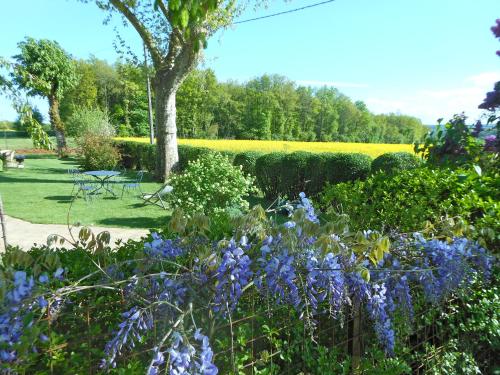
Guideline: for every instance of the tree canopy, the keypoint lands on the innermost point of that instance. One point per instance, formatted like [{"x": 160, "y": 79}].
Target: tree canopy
[{"x": 43, "y": 68}]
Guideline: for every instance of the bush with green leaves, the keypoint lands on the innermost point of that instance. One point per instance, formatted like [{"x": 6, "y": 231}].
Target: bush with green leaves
[
  {"x": 89, "y": 121},
  {"x": 342, "y": 167},
  {"x": 210, "y": 185},
  {"x": 409, "y": 199},
  {"x": 97, "y": 153},
  {"x": 454, "y": 145},
  {"x": 279, "y": 173},
  {"x": 293, "y": 173},
  {"x": 268, "y": 173},
  {"x": 393, "y": 162},
  {"x": 248, "y": 161}
]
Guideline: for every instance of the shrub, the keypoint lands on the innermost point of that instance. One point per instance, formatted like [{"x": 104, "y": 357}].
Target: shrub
[
  {"x": 247, "y": 160},
  {"x": 97, "y": 153},
  {"x": 408, "y": 199},
  {"x": 268, "y": 169},
  {"x": 391, "y": 162},
  {"x": 87, "y": 120},
  {"x": 190, "y": 153},
  {"x": 293, "y": 173},
  {"x": 315, "y": 174},
  {"x": 138, "y": 155},
  {"x": 210, "y": 185},
  {"x": 457, "y": 144},
  {"x": 342, "y": 167}
]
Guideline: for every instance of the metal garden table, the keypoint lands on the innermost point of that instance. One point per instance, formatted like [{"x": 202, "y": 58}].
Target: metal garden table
[{"x": 102, "y": 177}]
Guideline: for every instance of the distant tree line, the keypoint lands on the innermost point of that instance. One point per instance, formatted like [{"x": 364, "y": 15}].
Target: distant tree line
[{"x": 268, "y": 107}]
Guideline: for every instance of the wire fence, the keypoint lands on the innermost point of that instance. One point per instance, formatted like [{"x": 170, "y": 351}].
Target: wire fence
[{"x": 259, "y": 335}]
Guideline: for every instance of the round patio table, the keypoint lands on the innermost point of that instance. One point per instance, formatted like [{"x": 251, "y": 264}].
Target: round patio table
[{"x": 102, "y": 177}]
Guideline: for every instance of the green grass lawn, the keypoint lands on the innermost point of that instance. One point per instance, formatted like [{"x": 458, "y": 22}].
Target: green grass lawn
[
  {"x": 18, "y": 143},
  {"x": 41, "y": 193}
]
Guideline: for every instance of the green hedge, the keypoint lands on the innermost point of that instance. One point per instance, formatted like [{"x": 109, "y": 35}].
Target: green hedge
[
  {"x": 247, "y": 160},
  {"x": 138, "y": 155},
  {"x": 268, "y": 173},
  {"x": 392, "y": 162},
  {"x": 343, "y": 167},
  {"x": 277, "y": 173}
]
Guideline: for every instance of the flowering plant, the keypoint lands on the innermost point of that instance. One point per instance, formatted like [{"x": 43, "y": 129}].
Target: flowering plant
[{"x": 183, "y": 289}]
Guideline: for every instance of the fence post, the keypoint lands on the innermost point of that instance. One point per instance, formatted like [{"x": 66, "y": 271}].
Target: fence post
[
  {"x": 356, "y": 338},
  {"x": 2, "y": 222}
]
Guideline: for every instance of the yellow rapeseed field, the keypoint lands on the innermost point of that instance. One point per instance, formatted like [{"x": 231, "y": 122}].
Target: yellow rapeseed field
[{"x": 372, "y": 149}]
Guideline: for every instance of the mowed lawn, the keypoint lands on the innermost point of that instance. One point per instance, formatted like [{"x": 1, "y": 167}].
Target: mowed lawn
[
  {"x": 372, "y": 149},
  {"x": 23, "y": 143},
  {"x": 41, "y": 193}
]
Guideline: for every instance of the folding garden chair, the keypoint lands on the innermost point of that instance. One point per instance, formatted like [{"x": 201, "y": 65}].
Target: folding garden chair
[{"x": 156, "y": 197}]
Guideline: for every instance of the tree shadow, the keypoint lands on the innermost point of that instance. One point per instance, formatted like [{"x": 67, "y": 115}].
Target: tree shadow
[
  {"x": 5, "y": 178},
  {"x": 143, "y": 222},
  {"x": 60, "y": 198}
]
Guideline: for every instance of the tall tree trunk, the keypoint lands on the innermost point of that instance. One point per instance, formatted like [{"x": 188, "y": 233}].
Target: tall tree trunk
[
  {"x": 166, "y": 136},
  {"x": 57, "y": 125},
  {"x": 180, "y": 61}
]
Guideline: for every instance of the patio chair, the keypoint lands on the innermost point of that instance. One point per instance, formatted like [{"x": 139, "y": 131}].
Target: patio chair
[
  {"x": 156, "y": 197},
  {"x": 135, "y": 184},
  {"x": 73, "y": 173},
  {"x": 84, "y": 186}
]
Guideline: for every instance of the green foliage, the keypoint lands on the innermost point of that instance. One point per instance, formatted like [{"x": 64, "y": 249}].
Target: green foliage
[
  {"x": 137, "y": 155},
  {"x": 289, "y": 174},
  {"x": 97, "y": 152},
  {"x": 268, "y": 171},
  {"x": 29, "y": 120},
  {"x": 392, "y": 162},
  {"x": 293, "y": 173},
  {"x": 453, "y": 145},
  {"x": 315, "y": 173},
  {"x": 411, "y": 198},
  {"x": 449, "y": 360},
  {"x": 248, "y": 161},
  {"x": 43, "y": 68},
  {"x": 89, "y": 121},
  {"x": 342, "y": 167},
  {"x": 273, "y": 107},
  {"x": 210, "y": 185},
  {"x": 117, "y": 90},
  {"x": 188, "y": 154}
]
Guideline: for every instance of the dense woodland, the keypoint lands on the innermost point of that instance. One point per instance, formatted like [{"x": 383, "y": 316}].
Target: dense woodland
[{"x": 268, "y": 107}]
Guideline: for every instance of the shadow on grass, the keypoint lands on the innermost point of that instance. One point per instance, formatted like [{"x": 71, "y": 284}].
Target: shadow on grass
[
  {"x": 6, "y": 178},
  {"x": 60, "y": 198},
  {"x": 136, "y": 222}
]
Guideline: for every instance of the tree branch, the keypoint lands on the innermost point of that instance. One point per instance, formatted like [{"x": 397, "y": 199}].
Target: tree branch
[
  {"x": 141, "y": 29},
  {"x": 163, "y": 8}
]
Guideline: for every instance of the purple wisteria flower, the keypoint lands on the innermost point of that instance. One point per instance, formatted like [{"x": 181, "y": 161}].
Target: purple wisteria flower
[
  {"x": 306, "y": 204},
  {"x": 162, "y": 248},
  {"x": 324, "y": 281},
  {"x": 378, "y": 309},
  {"x": 233, "y": 274}
]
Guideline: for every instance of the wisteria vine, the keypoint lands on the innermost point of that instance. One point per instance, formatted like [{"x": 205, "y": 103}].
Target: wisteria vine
[{"x": 313, "y": 268}]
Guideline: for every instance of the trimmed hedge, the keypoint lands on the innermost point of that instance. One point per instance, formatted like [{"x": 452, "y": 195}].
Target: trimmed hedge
[
  {"x": 277, "y": 173},
  {"x": 392, "y": 162},
  {"x": 293, "y": 173},
  {"x": 247, "y": 160},
  {"x": 268, "y": 173},
  {"x": 139, "y": 155},
  {"x": 343, "y": 167}
]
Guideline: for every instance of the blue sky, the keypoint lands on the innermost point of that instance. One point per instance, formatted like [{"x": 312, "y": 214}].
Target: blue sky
[{"x": 426, "y": 58}]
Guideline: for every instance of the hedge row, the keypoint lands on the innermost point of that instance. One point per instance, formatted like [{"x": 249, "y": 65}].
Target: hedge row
[{"x": 280, "y": 173}]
